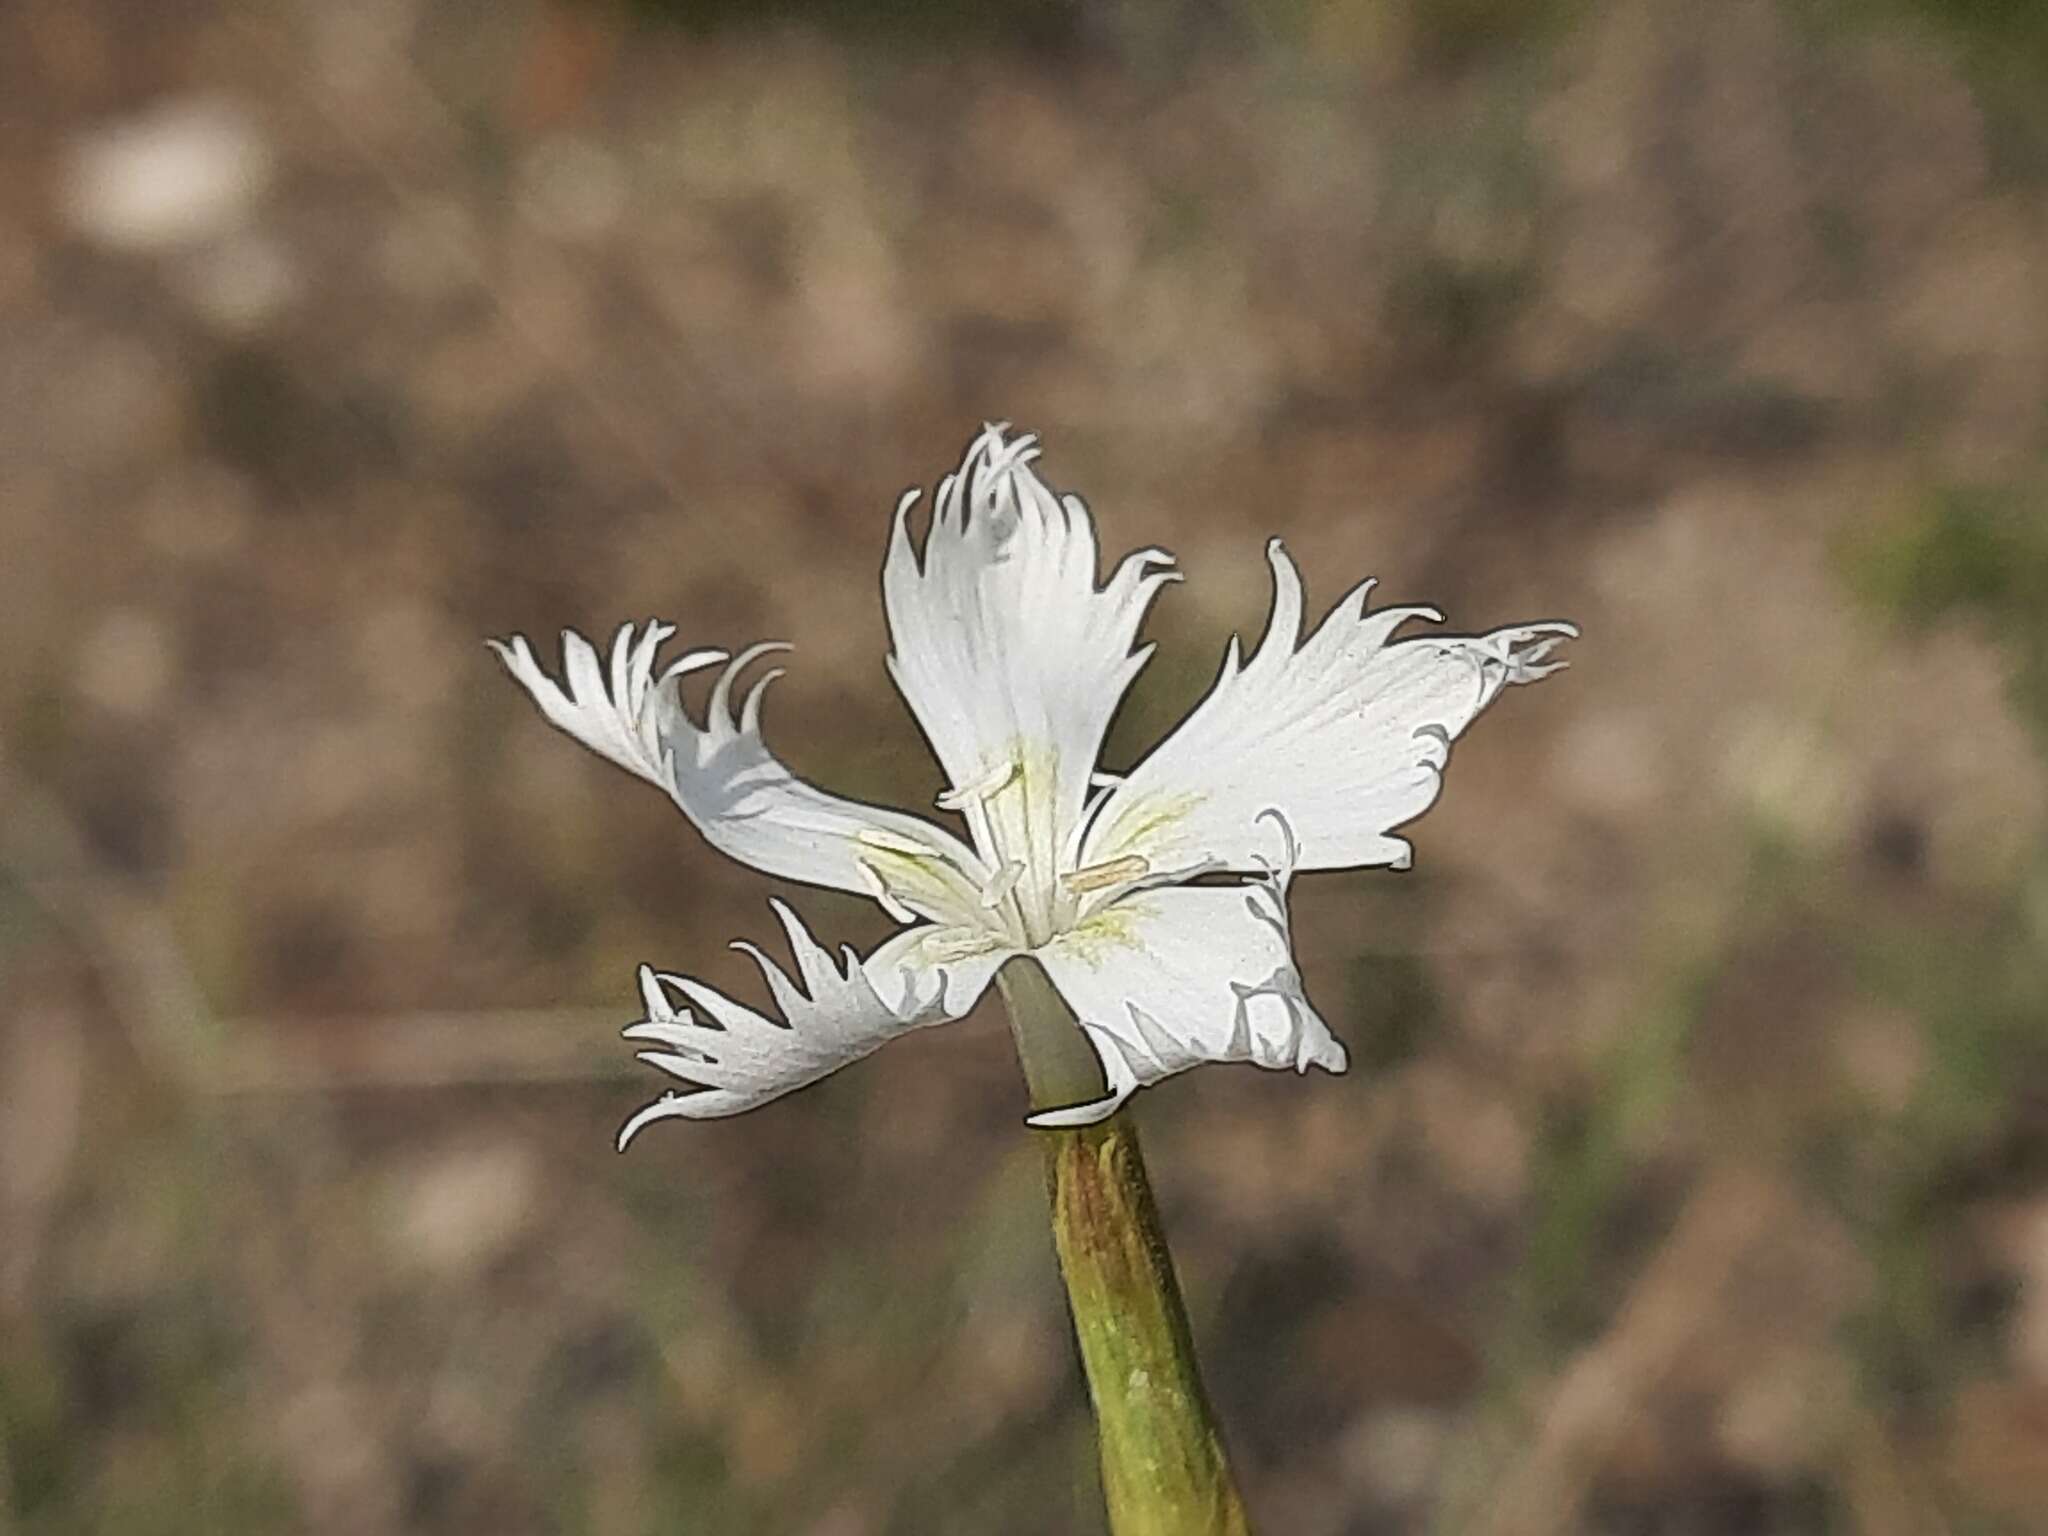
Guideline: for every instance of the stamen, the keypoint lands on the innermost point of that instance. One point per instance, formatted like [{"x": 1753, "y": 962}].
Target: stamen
[
  {"x": 890, "y": 842},
  {"x": 988, "y": 784},
  {"x": 1096, "y": 877},
  {"x": 1001, "y": 883}
]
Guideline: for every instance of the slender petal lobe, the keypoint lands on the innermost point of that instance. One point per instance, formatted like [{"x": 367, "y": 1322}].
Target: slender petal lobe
[
  {"x": 1162, "y": 980},
  {"x": 833, "y": 1012},
  {"x": 1347, "y": 735},
  {"x": 737, "y": 793},
  {"x": 1011, "y": 657}
]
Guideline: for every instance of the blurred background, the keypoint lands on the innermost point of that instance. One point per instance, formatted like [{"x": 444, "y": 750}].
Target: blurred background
[{"x": 1693, "y": 1175}]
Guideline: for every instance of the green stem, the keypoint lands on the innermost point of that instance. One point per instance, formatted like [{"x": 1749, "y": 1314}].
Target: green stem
[
  {"x": 1060, "y": 1066},
  {"x": 1164, "y": 1472}
]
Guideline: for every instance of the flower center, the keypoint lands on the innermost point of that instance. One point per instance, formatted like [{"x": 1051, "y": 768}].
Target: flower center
[
  {"x": 1009, "y": 892},
  {"x": 1013, "y": 822}
]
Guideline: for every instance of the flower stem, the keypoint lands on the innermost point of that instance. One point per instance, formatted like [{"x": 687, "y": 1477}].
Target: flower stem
[
  {"x": 1163, "y": 1468},
  {"x": 1060, "y": 1066},
  {"x": 1164, "y": 1472}
]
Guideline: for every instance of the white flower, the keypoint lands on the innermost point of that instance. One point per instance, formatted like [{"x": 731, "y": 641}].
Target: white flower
[{"x": 1307, "y": 756}]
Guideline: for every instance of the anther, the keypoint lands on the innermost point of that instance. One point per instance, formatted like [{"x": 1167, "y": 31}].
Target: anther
[
  {"x": 1115, "y": 872},
  {"x": 1001, "y": 883},
  {"x": 879, "y": 889},
  {"x": 988, "y": 784},
  {"x": 946, "y": 947}
]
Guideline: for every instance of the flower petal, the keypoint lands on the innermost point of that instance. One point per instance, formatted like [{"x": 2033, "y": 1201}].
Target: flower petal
[
  {"x": 1347, "y": 735},
  {"x": 1164, "y": 979},
  {"x": 1011, "y": 657},
  {"x": 737, "y": 793},
  {"x": 841, "y": 1010},
  {"x": 947, "y": 965}
]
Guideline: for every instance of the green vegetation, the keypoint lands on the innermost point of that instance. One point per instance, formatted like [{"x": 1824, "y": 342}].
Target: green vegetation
[{"x": 1977, "y": 553}]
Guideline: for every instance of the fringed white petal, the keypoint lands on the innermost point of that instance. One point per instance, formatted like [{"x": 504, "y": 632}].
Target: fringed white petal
[
  {"x": 737, "y": 793},
  {"x": 614, "y": 718},
  {"x": 1163, "y": 980},
  {"x": 835, "y": 1011},
  {"x": 1011, "y": 657},
  {"x": 948, "y": 966},
  {"x": 1347, "y": 734}
]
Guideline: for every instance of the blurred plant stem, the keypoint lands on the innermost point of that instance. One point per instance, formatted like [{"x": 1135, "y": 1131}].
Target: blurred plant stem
[{"x": 1164, "y": 1472}]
